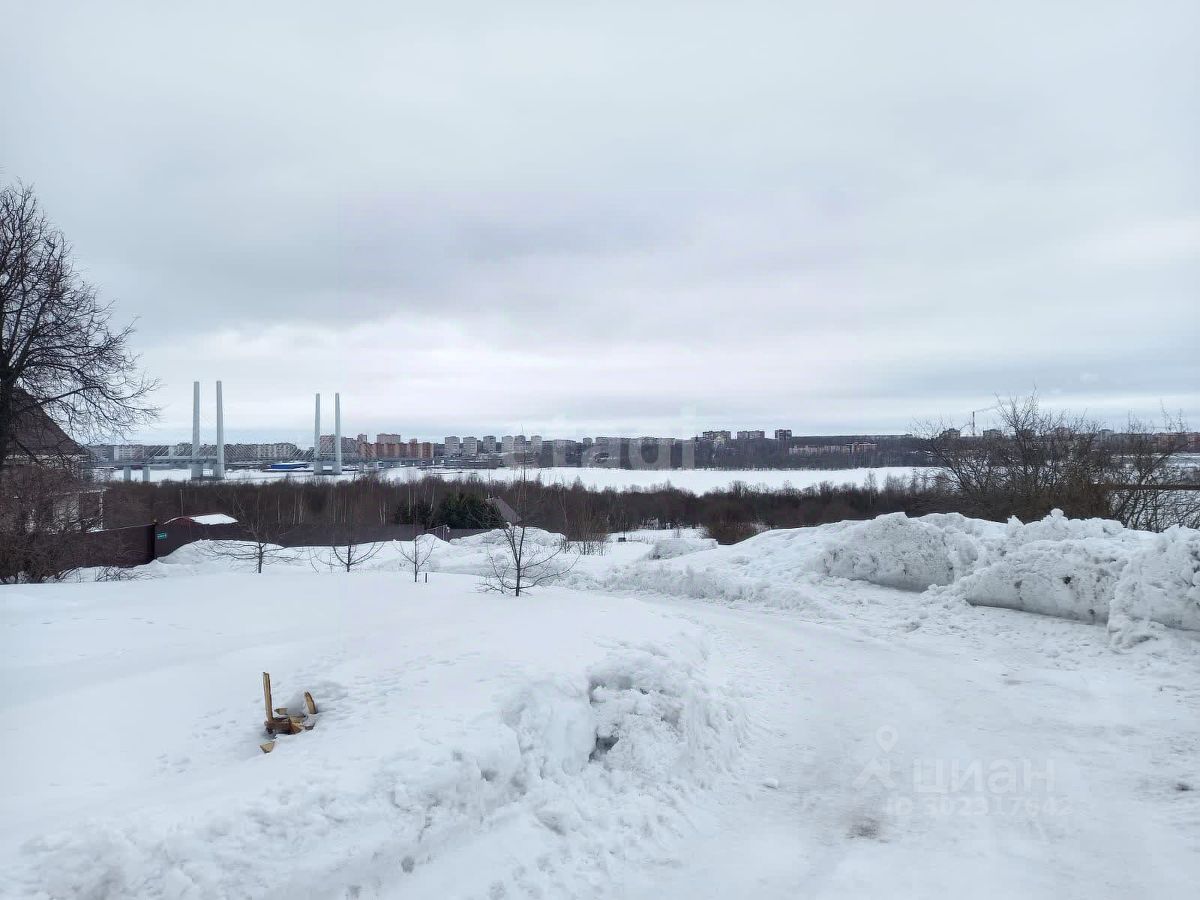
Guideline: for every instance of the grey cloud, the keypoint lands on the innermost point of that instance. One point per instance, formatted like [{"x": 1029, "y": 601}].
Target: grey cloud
[{"x": 868, "y": 212}]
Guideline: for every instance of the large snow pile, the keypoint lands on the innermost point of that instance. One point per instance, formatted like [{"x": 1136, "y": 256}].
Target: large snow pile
[
  {"x": 774, "y": 568},
  {"x": 1161, "y": 585},
  {"x": 1055, "y": 566},
  {"x": 1070, "y": 579},
  {"x": 913, "y": 554},
  {"x": 1091, "y": 570},
  {"x": 1057, "y": 527},
  {"x": 571, "y": 729},
  {"x": 1070, "y": 568}
]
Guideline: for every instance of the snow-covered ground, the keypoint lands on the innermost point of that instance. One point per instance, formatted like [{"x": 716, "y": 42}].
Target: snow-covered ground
[
  {"x": 698, "y": 481},
  {"x": 464, "y": 744},
  {"x": 901, "y": 707}
]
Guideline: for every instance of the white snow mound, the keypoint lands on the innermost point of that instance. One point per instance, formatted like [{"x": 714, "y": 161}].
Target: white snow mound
[
  {"x": 1160, "y": 584},
  {"x": 538, "y": 536},
  {"x": 912, "y": 554},
  {"x": 1070, "y": 579},
  {"x": 670, "y": 548}
]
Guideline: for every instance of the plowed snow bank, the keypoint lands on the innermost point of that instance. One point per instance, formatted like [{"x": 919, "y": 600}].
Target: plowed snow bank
[
  {"x": 1091, "y": 570},
  {"x": 1159, "y": 585},
  {"x": 912, "y": 554}
]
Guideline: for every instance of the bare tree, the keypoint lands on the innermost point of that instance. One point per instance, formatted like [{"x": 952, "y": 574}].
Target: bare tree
[
  {"x": 518, "y": 561},
  {"x": 260, "y": 526},
  {"x": 1153, "y": 490},
  {"x": 416, "y": 555},
  {"x": 585, "y": 526},
  {"x": 349, "y": 553},
  {"x": 1039, "y": 460},
  {"x": 59, "y": 355},
  {"x": 346, "y": 548}
]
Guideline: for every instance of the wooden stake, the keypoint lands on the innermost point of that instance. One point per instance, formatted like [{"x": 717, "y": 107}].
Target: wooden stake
[
  {"x": 267, "y": 694},
  {"x": 279, "y": 721}
]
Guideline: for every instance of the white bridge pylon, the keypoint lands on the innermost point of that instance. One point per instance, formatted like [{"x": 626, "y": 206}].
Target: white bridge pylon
[
  {"x": 197, "y": 461},
  {"x": 202, "y": 458},
  {"x": 332, "y": 466}
]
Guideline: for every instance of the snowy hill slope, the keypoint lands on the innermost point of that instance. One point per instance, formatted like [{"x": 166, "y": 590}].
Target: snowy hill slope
[{"x": 133, "y": 767}]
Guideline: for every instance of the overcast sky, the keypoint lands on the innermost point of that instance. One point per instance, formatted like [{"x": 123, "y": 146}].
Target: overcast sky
[{"x": 649, "y": 218}]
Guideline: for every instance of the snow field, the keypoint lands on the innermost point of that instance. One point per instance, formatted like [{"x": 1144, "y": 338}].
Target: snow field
[
  {"x": 1094, "y": 571},
  {"x": 568, "y": 729},
  {"x": 577, "y": 743},
  {"x": 464, "y": 556},
  {"x": 698, "y": 481}
]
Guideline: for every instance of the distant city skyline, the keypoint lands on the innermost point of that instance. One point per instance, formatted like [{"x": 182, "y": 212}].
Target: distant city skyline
[{"x": 176, "y": 424}]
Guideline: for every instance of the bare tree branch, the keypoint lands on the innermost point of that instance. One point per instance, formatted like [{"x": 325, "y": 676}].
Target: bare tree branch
[
  {"x": 1038, "y": 460},
  {"x": 518, "y": 562},
  {"x": 261, "y": 526},
  {"x": 416, "y": 555},
  {"x": 60, "y": 358}
]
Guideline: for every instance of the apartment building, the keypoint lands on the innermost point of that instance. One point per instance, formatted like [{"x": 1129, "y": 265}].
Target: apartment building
[
  {"x": 419, "y": 449},
  {"x": 349, "y": 445}
]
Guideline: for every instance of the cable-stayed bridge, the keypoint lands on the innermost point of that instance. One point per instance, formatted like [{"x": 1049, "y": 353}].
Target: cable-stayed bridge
[{"x": 213, "y": 460}]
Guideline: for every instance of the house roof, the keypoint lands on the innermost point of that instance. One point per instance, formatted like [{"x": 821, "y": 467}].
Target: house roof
[
  {"x": 36, "y": 435},
  {"x": 509, "y": 514},
  {"x": 206, "y": 519}
]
